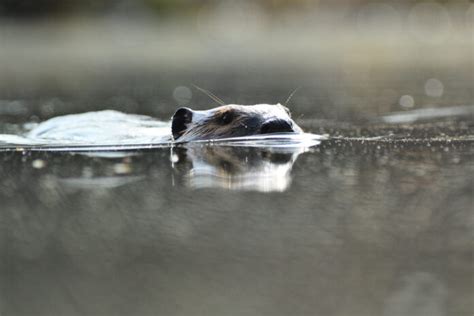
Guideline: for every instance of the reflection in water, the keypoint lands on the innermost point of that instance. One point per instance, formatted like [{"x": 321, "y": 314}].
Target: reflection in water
[
  {"x": 264, "y": 169},
  {"x": 257, "y": 163},
  {"x": 429, "y": 114},
  {"x": 237, "y": 168},
  {"x": 97, "y": 182},
  {"x": 203, "y": 165},
  {"x": 366, "y": 228}
]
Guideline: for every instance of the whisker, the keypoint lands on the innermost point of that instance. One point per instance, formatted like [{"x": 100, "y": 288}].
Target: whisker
[
  {"x": 209, "y": 94},
  {"x": 291, "y": 95}
]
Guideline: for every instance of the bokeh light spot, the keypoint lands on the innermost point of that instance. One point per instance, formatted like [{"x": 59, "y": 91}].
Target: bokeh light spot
[
  {"x": 38, "y": 164},
  {"x": 407, "y": 101},
  {"x": 122, "y": 168},
  {"x": 182, "y": 95},
  {"x": 373, "y": 15},
  {"x": 430, "y": 22},
  {"x": 434, "y": 88}
]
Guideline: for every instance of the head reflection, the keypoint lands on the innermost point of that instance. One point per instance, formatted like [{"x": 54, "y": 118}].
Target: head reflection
[{"x": 235, "y": 168}]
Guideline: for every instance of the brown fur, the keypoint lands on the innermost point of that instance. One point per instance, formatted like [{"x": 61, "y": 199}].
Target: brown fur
[{"x": 233, "y": 121}]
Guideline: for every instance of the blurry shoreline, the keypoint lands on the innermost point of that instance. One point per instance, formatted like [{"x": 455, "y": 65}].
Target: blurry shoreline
[
  {"x": 203, "y": 42},
  {"x": 366, "y": 59}
]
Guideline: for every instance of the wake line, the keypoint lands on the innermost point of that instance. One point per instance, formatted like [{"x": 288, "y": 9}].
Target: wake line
[{"x": 274, "y": 140}]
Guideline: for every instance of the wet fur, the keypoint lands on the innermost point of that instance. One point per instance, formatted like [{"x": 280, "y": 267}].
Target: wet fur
[{"x": 243, "y": 121}]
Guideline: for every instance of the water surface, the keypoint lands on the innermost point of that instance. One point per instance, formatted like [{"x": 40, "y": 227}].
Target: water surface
[{"x": 359, "y": 227}]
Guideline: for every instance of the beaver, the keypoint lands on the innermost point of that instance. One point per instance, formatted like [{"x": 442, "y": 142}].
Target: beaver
[
  {"x": 231, "y": 121},
  {"x": 233, "y": 167},
  {"x": 112, "y": 127}
]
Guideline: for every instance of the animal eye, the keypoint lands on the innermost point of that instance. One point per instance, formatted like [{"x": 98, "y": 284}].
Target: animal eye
[
  {"x": 227, "y": 117},
  {"x": 287, "y": 111}
]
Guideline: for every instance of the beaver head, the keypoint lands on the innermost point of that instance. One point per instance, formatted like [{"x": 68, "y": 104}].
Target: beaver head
[{"x": 232, "y": 121}]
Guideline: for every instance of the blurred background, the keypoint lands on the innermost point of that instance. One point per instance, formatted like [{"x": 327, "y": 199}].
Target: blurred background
[
  {"x": 353, "y": 60},
  {"x": 362, "y": 227}
]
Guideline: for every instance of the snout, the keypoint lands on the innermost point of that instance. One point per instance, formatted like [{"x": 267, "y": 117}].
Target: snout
[
  {"x": 180, "y": 120},
  {"x": 279, "y": 126}
]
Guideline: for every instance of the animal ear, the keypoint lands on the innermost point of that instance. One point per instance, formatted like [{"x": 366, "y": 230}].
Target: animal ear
[{"x": 181, "y": 118}]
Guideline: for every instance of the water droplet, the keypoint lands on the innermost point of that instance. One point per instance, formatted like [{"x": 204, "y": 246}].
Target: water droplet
[{"x": 174, "y": 158}]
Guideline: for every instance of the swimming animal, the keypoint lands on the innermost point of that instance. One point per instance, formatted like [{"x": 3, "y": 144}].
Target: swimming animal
[
  {"x": 105, "y": 127},
  {"x": 232, "y": 121}
]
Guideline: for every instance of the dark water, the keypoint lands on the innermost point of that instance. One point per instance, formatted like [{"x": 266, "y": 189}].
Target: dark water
[
  {"x": 377, "y": 220},
  {"x": 350, "y": 227}
]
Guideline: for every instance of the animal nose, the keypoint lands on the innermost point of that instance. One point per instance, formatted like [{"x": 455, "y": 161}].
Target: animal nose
[
  {"x": 181, "y": 118},
  {"x": 277, "y": 126}
]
